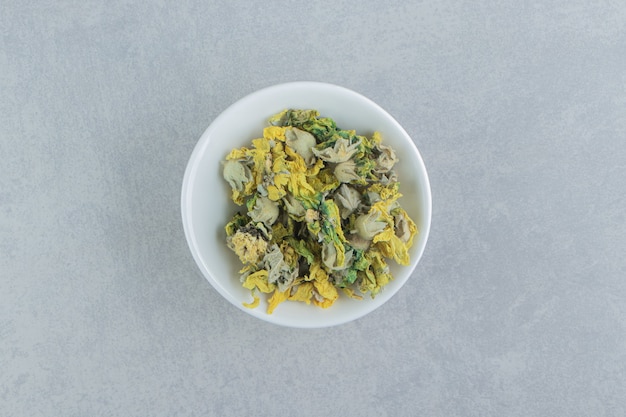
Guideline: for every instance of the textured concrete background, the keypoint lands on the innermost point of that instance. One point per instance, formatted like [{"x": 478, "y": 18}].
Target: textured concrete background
[{"x": 517, "y": 309}]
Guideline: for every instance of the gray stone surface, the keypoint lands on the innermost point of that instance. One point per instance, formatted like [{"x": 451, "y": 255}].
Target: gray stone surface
[{"x": 517, "y": 309}]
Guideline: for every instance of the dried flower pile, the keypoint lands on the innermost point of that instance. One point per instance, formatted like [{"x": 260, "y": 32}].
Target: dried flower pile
[{"x": 321, "y": 211}]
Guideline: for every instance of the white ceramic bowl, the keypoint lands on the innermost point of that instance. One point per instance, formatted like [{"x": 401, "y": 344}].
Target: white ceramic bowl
[{"x": 206, "y": 205}]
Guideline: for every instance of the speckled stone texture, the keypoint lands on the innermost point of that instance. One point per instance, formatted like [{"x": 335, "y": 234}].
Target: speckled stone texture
[{"x": 518, "y": 307}]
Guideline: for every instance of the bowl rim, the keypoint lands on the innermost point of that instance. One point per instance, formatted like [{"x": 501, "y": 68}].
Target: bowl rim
[{"x": 192, "y": 166}]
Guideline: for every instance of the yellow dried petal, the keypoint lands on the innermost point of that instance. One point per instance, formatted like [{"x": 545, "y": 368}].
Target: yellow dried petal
[
  {"x": 314, "y": 170},
  {"x": 326, "y": 289},
  {"x": 386, "y": 192},
  {"x": 238, "y": 154},
  {"x": 280, "y": 180},
  {"x": 395, "y": 248},
  {"x": 295, "y": 157},
  {"x": 261, "y": 144},
  {"x": 406, "y": 229},
  {"x": 289, "y": 254},
  {"x": 274, "y": 132},
  {"x": 258, "y": 280},
  {"x": 333, "y": 215},
  {"x": 325, "y": 181},
  {"x": 376, "y": 138},
  {"x": 316, "y": 273},
  {"x": 278, "y": 149},
  {"x": 297, "y": 164},
  {"x": 384, "y": 236},
  {"x": 381, "y": 281},
  {"x": 247, "y": 268},
  {"x": 299, "y": 187},
  {"x": 276, "y": 298},
  {"x": 377, "y": 275},
  {"x": 304, "y": 293},
  {"x": 280, "y": 164},
  {"x": 383, "y": 206},
  {"x": 254, "y": 303},
  {"x": 274, "y": 193},
  {"x": 238, "y": 197}
]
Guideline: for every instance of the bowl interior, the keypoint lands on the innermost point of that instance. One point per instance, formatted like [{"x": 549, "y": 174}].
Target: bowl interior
[{"x": 206, "y": 204}]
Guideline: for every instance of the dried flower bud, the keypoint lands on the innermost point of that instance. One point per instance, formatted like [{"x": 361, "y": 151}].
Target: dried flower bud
[
  {"x": 386, "y": 160},
  {"x": 302, "y": 142},
  {"x": 265, "y": 211},
  {"x": 293, "y": 206},
  {"x": 367, "y": 225},
  {"x": 330, "y": 258},
  {"x": 237, "y": 174},
  {"x": 346, "y": 172},
  {"x": 341, "y": 152},
  {"x": 347, "y": 199},
  {"x": 279, "y": 272}
]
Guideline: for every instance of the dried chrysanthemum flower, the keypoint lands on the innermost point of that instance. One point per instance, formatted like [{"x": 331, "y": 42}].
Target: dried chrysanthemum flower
[
  {"x": 294, "y": 207},
  {"x": 248, "y": 247},
  {"x": 279, "y": 272},
  {"x": 369, "y": 225},
  {"x": 340, "y": 152},
  {"x": 265, "y": 211},
  {"x": 237, "y": 174},
  {"x": 389, "y": 177},
  {"x": 405, "y": 228},
  {"x": 357, "y": 242},
  {"x": 302, "y": 142},
  {"x": 386, "y": 160},
  {"x": 347, "y": 199},
  {"x": 332, "y": 260},
  {"x": 345, "y": 172}
]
